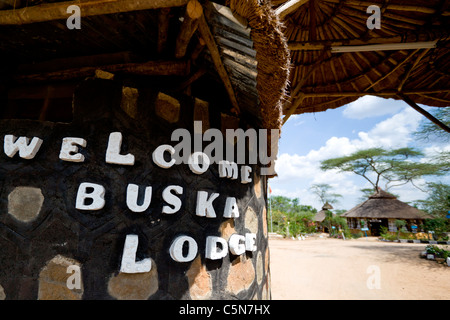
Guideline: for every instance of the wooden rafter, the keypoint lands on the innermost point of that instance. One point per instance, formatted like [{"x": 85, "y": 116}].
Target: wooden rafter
[
  {"x": 207, "y": 36},
  {"x": 158, "y": 68},
  {"x": 379, "y": 93},
  {"x": 416, "y": 37},
  {"x": 58, "y": 10},
  {"x": 193, "y": 12},
  {"x": 289, "y": 7},
  {"x": 393, "y": 70},
  {"x": 407, "y": 73},
  {"x": 429, "y": 116}
]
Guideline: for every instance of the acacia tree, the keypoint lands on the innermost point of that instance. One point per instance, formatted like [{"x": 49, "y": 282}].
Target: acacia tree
[
  {"x": 428, "y": 130},
  {"x": 322, "y": 191},
  {"x": 392, "y": 167}
]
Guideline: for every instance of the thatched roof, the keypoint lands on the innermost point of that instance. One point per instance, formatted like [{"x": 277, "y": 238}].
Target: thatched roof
[
  {"x": 384, "y": 205},
  {"x": 321, "y": 215},
  {"x": 322, "y": 77}
]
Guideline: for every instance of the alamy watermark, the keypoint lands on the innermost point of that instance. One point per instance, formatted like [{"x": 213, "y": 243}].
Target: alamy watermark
[
  {"x": 74, "y": 280},
  {"x": 374, "y": 279},
  {"x": 74, "y": 21},
  {"x": 213, "y": 147}
]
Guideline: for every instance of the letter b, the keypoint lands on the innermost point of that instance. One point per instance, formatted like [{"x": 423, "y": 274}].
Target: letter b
[{"x": 97, "y": 195}]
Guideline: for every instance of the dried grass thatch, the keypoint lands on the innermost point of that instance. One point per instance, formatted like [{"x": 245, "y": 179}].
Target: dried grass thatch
[
  {"x": 273, "y": 57},
  {"x": 321, "y": 79},
  {"x": 383, "y": 205}
]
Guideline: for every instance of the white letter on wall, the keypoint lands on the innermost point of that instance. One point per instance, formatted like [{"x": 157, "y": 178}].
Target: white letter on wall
[
  {"x": 26, "y": 149},
  {"x": 245, "y": 174},
  {"x": 228, "y": 169},
  {"x": 69, "y": 149},
  {"x": 113, "y": 151},
  {"x": 237, "y": 244},
  {"x": 176, "y": 249},
  {"x": 231, "y": 209},
  {"x": 97, "y": 196},
  {"x": 198, "y": 162},
  {"x": 132, "y": 198},
  {"x": 129, "y": 264},
  {"x": 213, "y": 251},
  {"x": 204, "y": 204},
  {"x": 158, "y": 156},
  {"x": 250, "y": 241},
  {"x": 171, "y": 199}
]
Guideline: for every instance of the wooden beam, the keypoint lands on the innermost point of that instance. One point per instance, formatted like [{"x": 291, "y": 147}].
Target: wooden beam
[
  {"x": 385, "y": 47},
  {"x": 54, "y": 91},
  {"x": 153, "y": 68},
  {"x": 206, "y": 34},
  {"x": 386, "y": 93},
  {"x": 289, "y": 7},
  {"x": 193, "y": 12},
  {"x": 392, "y": 71},
  {"x": 407, "y": 73},
  {"x": 405, "y": 38},
  {"x": 429, "y": 116},
  {"x": 58, "y": 10},
  {"x": 294, "y": 107},
  {"x": 163, "y": 29}
]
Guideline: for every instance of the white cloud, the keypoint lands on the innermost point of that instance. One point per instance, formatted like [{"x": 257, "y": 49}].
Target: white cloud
[{"x": 371, "y": 106}]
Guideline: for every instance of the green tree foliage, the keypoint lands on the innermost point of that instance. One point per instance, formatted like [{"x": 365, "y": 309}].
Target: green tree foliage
[
  {"x": 290, "y": 214},
  {"x": 392, "y": 167},
  {"x": 428, "y": 130},
  {"x": 437, "y": 203},
  {"x": 322, "y": 192}
]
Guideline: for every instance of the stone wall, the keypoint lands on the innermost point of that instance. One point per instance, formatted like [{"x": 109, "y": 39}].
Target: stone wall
[{"x": 52, "y": 250}]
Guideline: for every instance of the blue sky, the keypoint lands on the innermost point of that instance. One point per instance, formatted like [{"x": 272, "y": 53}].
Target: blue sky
[{"x": 368, "y": 122}]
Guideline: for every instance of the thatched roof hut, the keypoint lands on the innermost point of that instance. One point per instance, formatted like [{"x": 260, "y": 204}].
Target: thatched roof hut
[
  {"x": 321, "y": 215},
  {"x": 383, "y": 205},
  {"x": 381, "y": 210}
]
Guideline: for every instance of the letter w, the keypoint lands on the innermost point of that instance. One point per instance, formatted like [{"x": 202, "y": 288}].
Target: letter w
[{"x": 26, "y": 149}]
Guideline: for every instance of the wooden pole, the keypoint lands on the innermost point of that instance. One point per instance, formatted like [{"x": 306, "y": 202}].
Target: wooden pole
[
  {"x": 429, "y": 116},
  {"x": 404, "y": 38},
  {"x": 194, "y": 11},
  {"x": 58, "y": 10},
  {"x": 289, "y": 7}
]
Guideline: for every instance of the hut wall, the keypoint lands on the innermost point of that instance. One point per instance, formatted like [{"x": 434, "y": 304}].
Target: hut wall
[{"x": 47, "y": 240}]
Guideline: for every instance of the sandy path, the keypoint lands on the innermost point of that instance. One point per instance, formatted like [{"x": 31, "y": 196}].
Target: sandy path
[{"x": 322, "y": 268}]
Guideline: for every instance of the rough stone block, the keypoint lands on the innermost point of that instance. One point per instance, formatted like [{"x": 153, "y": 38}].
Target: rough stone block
[
  {"x": 129, "y": 101},
  {"x": 53, "y": 280},
  {"x": 167, "y": 108},
  {"x": 25, "y": 203},
  {"x": 240, "y": 275},
  {"x": 200, "y": 284},
  {"x": 134, "y": 286}
]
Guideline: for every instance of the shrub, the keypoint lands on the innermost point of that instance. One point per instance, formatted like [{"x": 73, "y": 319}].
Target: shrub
[{"x": 437, "y": 251}]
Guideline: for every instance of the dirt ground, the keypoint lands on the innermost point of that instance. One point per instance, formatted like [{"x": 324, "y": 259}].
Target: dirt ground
[{"x": 364, "y": 269}]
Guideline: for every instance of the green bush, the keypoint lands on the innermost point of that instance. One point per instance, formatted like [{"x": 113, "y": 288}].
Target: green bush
[{"x": 437, "y": 251}]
